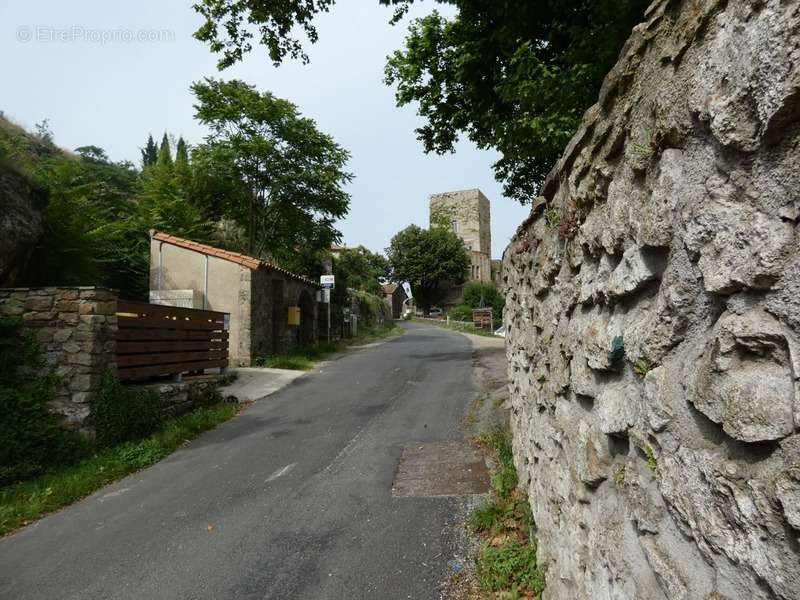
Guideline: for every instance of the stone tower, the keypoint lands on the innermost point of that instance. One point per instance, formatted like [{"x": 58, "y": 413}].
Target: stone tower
[{"x": 468, "y": 213}]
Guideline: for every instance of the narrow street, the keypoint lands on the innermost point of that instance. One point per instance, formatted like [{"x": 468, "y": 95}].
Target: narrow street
[{"x": 293, "y": 498}]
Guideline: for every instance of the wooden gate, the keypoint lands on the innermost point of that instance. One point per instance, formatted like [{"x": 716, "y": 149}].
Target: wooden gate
[{"x": 155, "y": 340}]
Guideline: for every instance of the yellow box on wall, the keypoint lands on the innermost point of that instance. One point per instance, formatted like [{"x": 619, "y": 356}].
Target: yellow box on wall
[{"x": 293, "y": 318}]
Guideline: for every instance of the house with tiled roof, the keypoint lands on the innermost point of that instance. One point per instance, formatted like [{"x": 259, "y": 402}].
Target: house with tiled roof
[{"x": 264, "y": 300}]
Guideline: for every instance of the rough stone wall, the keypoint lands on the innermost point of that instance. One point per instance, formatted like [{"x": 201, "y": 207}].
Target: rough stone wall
[
  {"x": 76, "y": 331},
  {"x": 181, "y": 397},
  {"x": 653, "y": 315},
  {"x": 261, "y": 315}
]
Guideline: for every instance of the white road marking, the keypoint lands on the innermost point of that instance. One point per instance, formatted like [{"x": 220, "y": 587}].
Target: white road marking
[{"x": 280, "y": 472}]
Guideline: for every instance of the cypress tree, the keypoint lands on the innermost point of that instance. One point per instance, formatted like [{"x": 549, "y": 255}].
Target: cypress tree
[
  {"x": 164, "y": 154},
  {"x": 149, "y": 152},
  {"x": 181, "y": 155}
]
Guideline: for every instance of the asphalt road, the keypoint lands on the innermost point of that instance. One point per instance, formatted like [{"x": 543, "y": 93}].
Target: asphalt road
[{"x": 291, "y": 499}]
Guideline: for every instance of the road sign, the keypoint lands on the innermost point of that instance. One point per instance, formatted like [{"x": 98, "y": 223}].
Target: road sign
[{"x": 327, "y": 281}]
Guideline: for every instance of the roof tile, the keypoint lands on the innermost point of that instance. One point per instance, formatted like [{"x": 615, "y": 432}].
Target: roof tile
[{"x": 246, "y": 261}]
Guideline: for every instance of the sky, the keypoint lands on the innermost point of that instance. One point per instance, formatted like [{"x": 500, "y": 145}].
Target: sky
[{"x": 109, "y": 73}]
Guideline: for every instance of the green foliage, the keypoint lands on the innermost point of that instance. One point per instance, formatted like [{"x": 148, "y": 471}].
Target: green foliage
[
  {"x": 24, "y": 502},
  {"x": 149, "y": 152},
  {"x": 284, "y": 177},
  {"x": 507, "y": 559},
  {"x": 642, "y": 367},
  {"x": 462, "y": 312},
  {"x": 652, "y": 463},
  {"x": 31, "y": 440},
  {"x": 164, "y": 153},
  {"x": 124, "y": 413},
  {"x": 427, "y": 259},
  {"x": 359, "y": 269},
  {"x": 619, "y": 475},
  {"x": 478, "y": 294},
  {"x": 510, "y": 566},
  {"x": 513, "y": 76}
]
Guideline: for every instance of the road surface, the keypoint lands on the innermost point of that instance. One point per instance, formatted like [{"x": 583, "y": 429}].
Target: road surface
[{"x": 291, "y": 499}]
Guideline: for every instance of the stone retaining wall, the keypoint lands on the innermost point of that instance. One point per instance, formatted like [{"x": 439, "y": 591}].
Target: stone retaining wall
[
  {"x": 76, "y": 331},
  {"x": 653, "y": 319}
]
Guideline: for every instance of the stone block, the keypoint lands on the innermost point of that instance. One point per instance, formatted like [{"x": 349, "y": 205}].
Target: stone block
[
  {"x": 69, "y": 318},
  {"x": 62, "y": 335},
  {"x": 39, "y": 303},
  {"x": 66, "y": 306}
]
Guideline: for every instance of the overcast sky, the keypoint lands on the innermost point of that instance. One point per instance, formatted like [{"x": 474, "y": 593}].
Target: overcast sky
[{"x": 65, "y": 61}]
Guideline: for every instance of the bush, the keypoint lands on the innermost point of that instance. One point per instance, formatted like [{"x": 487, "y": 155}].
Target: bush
[
  {"x": 462, "y": 312},
  {"x": 31, "y": 440},
  {"x": 122, "y": 414}
]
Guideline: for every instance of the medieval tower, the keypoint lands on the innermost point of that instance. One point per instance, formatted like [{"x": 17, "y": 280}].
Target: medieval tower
[{"x": 468, "y": 213}]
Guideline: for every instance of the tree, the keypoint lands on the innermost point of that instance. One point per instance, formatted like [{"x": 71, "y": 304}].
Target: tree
[
  {"x": 284, "y": 176},
  {"x": 149, "y": 152},
  {"x": 480, "y": 294},
  {"x": 164, "y": 153},
  {"x": 359, "y": 269},
  {"x": 513, "y": 76},
  {"x": 428, "y": 259}
]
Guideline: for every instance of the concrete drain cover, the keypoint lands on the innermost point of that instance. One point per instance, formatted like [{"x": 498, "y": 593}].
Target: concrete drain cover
[{"x": 451, "y": 468}]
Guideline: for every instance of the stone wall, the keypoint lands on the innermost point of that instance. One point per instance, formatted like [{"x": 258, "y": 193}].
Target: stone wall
[
  {"x": 653, "y": 316},
  {"x": 76, "y": 330}
]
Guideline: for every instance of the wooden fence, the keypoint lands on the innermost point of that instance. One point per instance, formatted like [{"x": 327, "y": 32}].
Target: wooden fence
[{"x": 155, "y": 340}]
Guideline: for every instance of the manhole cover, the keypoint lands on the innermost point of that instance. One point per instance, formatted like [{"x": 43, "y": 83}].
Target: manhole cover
[{"x": 452, "y": 468}]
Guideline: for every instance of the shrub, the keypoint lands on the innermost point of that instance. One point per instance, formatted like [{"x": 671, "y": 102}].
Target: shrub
[
  {"x": 31, "y": 440},
  {"x": 462, "y": 312},
  {"x": 122, "y": 414}
]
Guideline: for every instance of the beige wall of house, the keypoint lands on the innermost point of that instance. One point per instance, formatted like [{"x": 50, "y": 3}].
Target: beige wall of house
[{"x": 175, "y": 268}]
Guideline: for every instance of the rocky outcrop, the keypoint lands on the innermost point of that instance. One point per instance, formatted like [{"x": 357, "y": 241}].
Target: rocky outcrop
[
  {"x": 21, "y": 203},
  {"x": 653, "y": 318}
]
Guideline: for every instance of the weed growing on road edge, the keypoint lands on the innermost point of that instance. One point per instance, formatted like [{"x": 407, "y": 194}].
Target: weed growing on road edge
[
  {"x": 304, "y": 359},
  {"x": 506, "y": 563},
  {"x": 24, "y": 502}
]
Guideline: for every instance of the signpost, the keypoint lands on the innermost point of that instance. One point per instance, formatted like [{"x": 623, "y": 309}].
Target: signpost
[
  {"x": 482, "y": 317},
  {"x": 328, "y": 282}
]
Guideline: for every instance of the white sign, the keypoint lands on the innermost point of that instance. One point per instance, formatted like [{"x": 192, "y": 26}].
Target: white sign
[
  {"x": 327, "y": 281},
  {"x": 407, "y": 289}
]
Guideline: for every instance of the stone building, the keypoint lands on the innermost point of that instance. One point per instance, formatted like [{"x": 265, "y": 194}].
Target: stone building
[
  {"x": 257, "y": 294},
  {"x": 468, "y": 213}
]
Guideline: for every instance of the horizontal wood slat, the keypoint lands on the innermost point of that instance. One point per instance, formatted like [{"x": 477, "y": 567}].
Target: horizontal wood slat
[
  {"x": 169, "y": 334},
  {"x": 159, "y": 310},
  {"x": 170, "y": 346},
  {"x": 153, "y": 370},
  {"x": 167, "y": 358},
  {"x": 160, "y": 322},
  {"x": 155, "y": 340}
]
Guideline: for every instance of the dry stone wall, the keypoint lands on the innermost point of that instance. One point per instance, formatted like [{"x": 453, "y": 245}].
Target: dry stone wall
[
  {"x": 653, "y": 315},
  {"x": 75, "y": 328}
]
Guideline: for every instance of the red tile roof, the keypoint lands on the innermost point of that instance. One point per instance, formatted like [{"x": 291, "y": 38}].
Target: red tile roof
[{"x": 241, "y": 259}]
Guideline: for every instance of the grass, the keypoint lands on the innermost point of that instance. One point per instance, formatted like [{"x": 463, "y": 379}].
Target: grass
[
  {"x": 304, "y": 359},
  {"x": 471, "y": 329},
  {"x": 506, "y": 564},
  {"x": 24, "y": 502}
]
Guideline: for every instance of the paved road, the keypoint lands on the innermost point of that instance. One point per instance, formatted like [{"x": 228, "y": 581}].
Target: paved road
[{"x": 291, "y": 499}]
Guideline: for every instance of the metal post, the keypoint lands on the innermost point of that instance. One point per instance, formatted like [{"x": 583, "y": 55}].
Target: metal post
[{"x": 329, "y": 318}]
